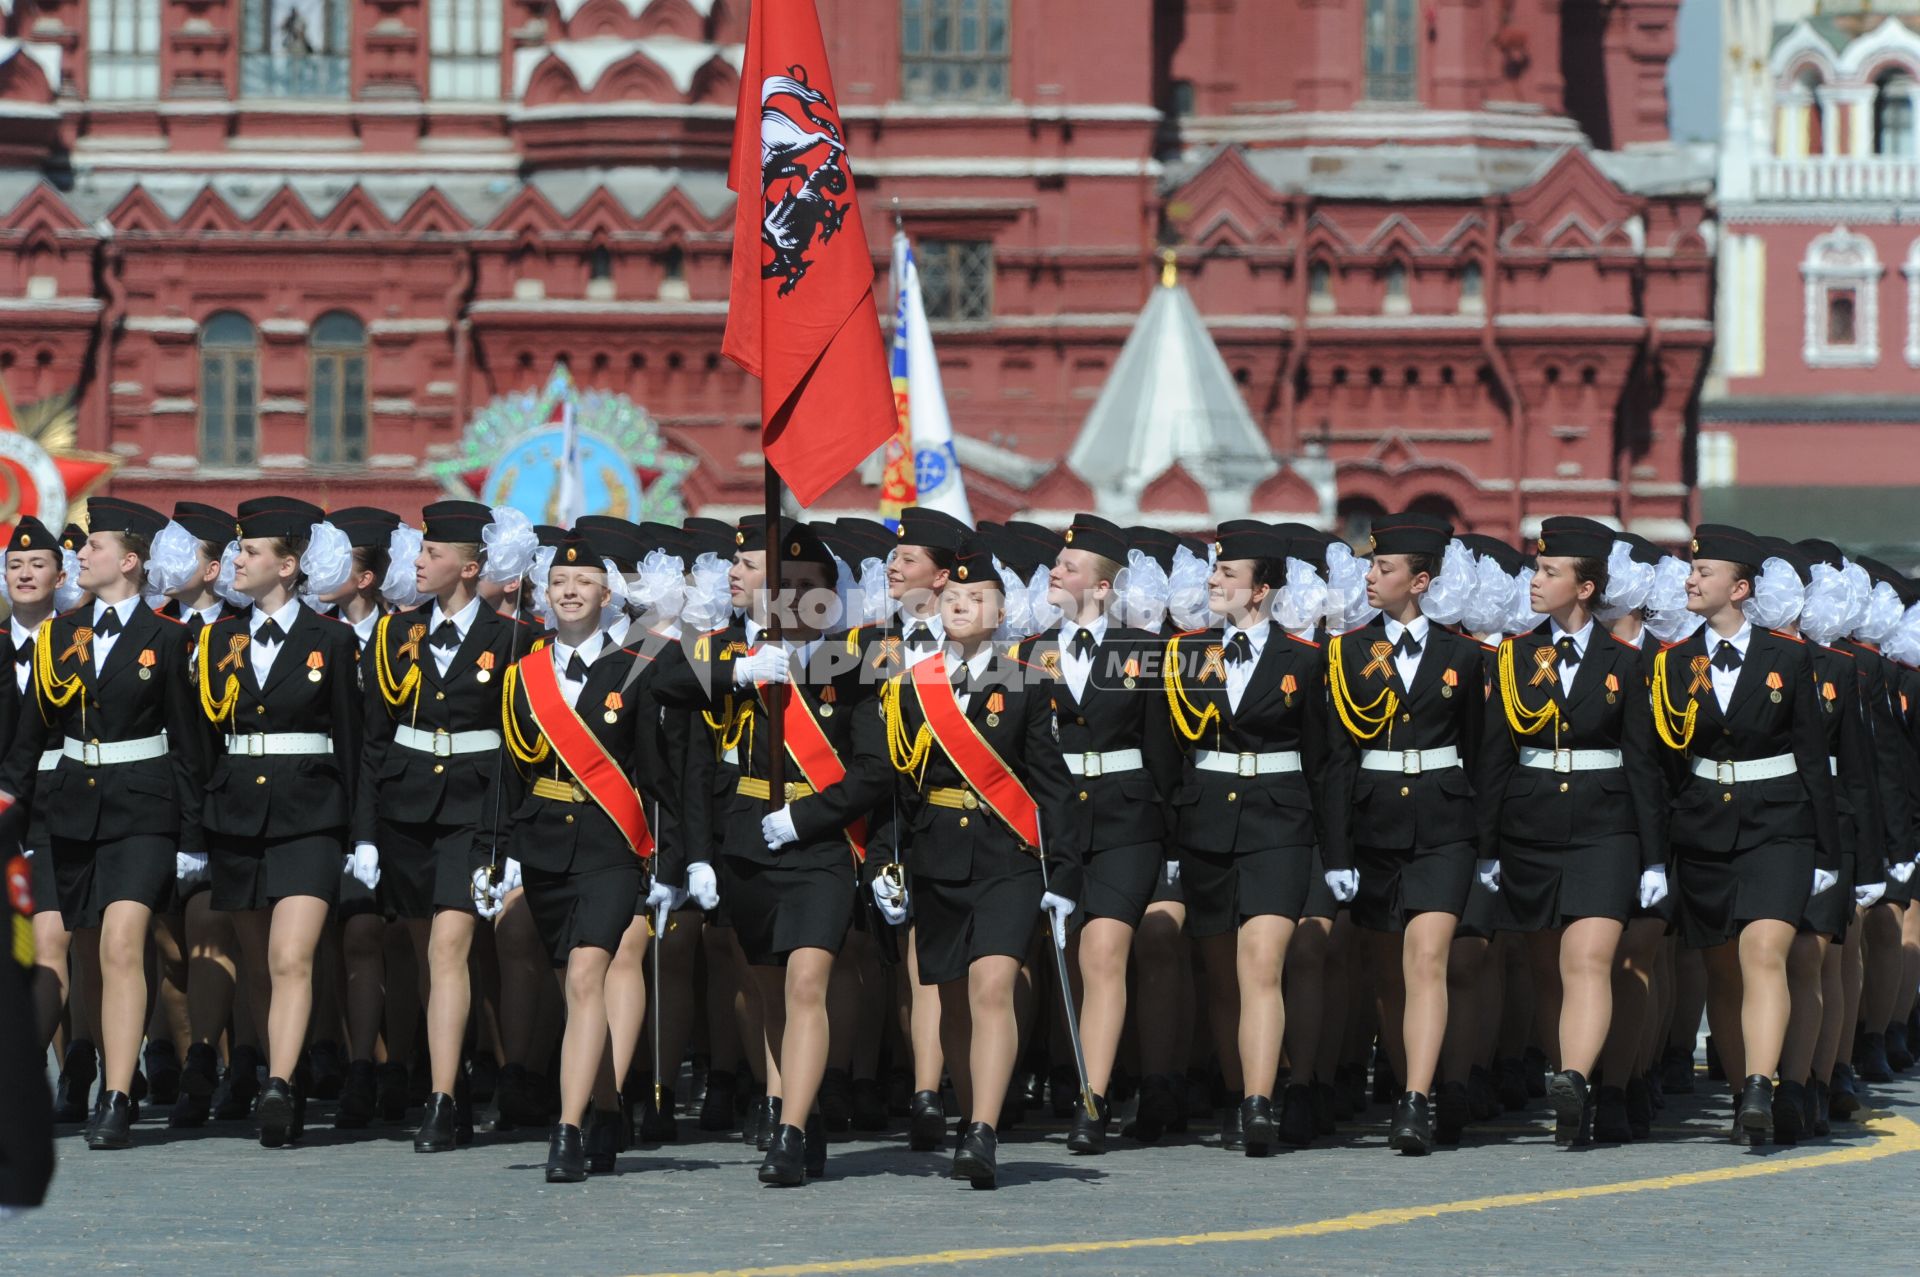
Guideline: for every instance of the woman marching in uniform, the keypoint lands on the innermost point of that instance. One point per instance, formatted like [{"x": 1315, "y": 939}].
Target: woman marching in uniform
[
  {"x": 111, "y": 691},
  {"x": 1570, "y": 802},
  {"x": 1753, "y": 827},
  {"x": 432, "y": 770},
  {"x": 279, "y": 683},
  {"x": 984, "y": 796},
  {"x": 1247, "y": 698}
]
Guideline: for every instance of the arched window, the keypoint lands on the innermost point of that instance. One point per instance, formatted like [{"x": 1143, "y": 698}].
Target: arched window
[
  {"x": 337, "y": 411},
  {"x": 1816, "y": 99},
  {"x": 1893, "y": 115},
  {"x": 1320, "y": 288},
  {"x": 1392, "y": 35},
  {"x": 1473, "y": 286},
  {"x": 1842, "y": 321},
  {"x": 1394, "y": 299},
  {"x": 294, "y": 48},
  {"x": 229, "y": 390}
]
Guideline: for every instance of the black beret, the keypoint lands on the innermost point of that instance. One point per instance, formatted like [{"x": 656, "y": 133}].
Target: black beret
[
  {"x": 1798, "y": 559},
  {"x": 111, "y": 514},
  {"x": 31, "y": 534},
  {"x": 72, "y": 537},
  {"x": 1411, "y": 533},
  {"x": 930, "y": 528},
  {"x": 577, "y": 549},
  {"x": 709, "y": 536},
  {"x": 1508, "y": 557},
  {"x": 1249, "y": 539},
  {"x": 206, "y": 522},
  {"x": 367, "y": 527},
  {"x": 1823, "y": 552},
  {"x": 1733, "y": 545},
  {"x": 1099, "y": 536},
  {"x": 973, "y": 563},
  {"x": 1570, "y": 536},
  {"x": 798, "y": 542},
  {"x": 622, "y": 540},
  {"x": 457, "y": 522},
  {"x": 278, "y": 517},
  {"x": 1155, "y": 543},
  {"x": 1644, "y": 551},
  {"x": 549, "y": 534}
]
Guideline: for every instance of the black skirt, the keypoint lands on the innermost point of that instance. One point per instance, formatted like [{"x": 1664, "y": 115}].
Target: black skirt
[
  {"x": 253, "y": 873},
  {"x": 89, "y": 876},
  {"x": 1225, "y": 891},
  {"x": 576, "y": 910},
  {"x": 1715, "y": 896},
  {"x": 1830, "y": 913},
  {"x": 1118, "y": 883},
  {"x": 355, "y": 898},
  {"x": 46, "y": 888},
  {"x": 1320, "y": 902},
  {"x": 1397, "y": 883},
  {"x": 1483, "y": 915},
  {"x": 957, "y": 923},
  {"x": 427, "y": 867},
  {"x": 1166, "y": 886},
  {"x": 1544, "y": 886},
  {"x": 776, "y": 909}
]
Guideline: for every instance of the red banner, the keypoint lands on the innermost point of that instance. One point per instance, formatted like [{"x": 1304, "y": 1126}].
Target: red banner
[
  {"x": 800, "y": 314},
  {"x": 819, "y": 762},
  {"x": 583, "y": 753},
  {"x": 986, "y": 772}
]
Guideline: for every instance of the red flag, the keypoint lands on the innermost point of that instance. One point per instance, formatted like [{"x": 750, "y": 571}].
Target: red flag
[{"x": 801, "y": 314}]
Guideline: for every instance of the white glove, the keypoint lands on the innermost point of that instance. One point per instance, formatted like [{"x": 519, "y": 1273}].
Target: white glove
[
  {"x": 509, "y": 879},
  {"x": 1900, "y": 872},
  {"x": 189, "y": 865},
  {"x": 777, "y": 828},
  {"x": 892, "y": 899},
  {"x": 1058, "y": 909},
  {"x": 363, "y": 862},
  {"x": 702, "y": 885},
  {"x": 1488, "y": 872},
  {"x": 1823, "y": 880},
  {"x": 1343, "y": 883},
  {"x": 661, "y": 901},
  {"x": 1653, "y": 886},
  {"x": 768, "y": 663},
  {"x": 1867, "y": 894},
  {"x": 486, "y": 896}
]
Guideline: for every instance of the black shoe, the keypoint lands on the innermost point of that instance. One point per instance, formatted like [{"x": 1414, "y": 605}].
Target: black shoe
[
  {"x": 357, "y": 1097},
  {"x": 1870, "y": 1058},
  {"x": 1822, "y": 1122},
  {"x": 566, "y": 1155},
  {"x": 816, "y": 1147},
  {"x": 869, "y": 1112},
  {"x": 198, "y": 1081},
  {"x": 836, "y": 1099},
  {"x": 1640, "y": 1108},
  {"x": 1452, "y": 1110},
  {"x": 1159, "y": 1104},
  {"x": 786, "y": 1163},
  {"x": 78, "y": 1071},
  {"x": 1676, "y": 1071},
  {"x": 329, "y": 1071},
  {"x": 1611, "y": 1121},
  {"x": 1482, "y": 1099},
  {"x": 1510, "y": 1083},
  {"x": 1258, "y": 1130},
  {"x": 974, "y": 1161},
  {"x": 1755, "y": 1110},
  {"x": 1789, "y": 1112},
  {"x": 1032, "y": 1087},
  {"x": 1843, "y": 1094},
  {"x": 1232, "y": 1128},
  {"x": 716, "y": 1109},
  {"x": 1296, "y": 1125},
  {"x": 1412, "y": 1129},
  {"x": 1063, "y": 1090},
  {"x": 163, "y": 1071},
  {"x": 1898, "y": 1054},
  {"x": 658, "y": 1124},
  {"x": 769, "y": 1122},
  {"x": 1089, "y": 1133},
  {"x": 926, "y": 1122},
  {"x": 1567, "y": 1093},
  {"x": 1320, "y": 1103},
  {"x": 275, "y": 1113},
  {"x": 113, "y": 1124},
  {"x": 436, "y": 1133},
  {"x": 603, "y": 1141},
  {"x": 483, "y": 1076}
]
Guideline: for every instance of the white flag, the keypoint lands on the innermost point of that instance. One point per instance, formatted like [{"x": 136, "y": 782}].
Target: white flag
[
  {"x": 936, "y": 468},
  {"x": 567, "y": 494}
]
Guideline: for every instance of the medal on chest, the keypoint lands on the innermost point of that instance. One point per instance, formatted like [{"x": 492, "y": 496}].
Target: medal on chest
[
  {"x": 316, "y": 666},
  {"x": 148, "y": 659},
  {"x": 484, "y": 674},
  {"x": 614, "y": 703},
  {"x": 995, "y": 703},
  {"x": 1613, "y": 688},
  {"x": 1775, "y": 682},
  {"x": 1449, "y": 679}
]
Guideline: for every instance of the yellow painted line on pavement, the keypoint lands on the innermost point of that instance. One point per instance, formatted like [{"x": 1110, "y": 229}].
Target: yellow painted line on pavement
[{"x": 1892, "y": 1136}]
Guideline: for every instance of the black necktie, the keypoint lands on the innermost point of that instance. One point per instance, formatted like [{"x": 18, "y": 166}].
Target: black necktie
[
  {"x": 576, "y": 669},
  {"x": 108, "y": 624},
  {"x": 1239, "y": 649},
  {"x": 1083, "y": 644},
  {"x": 1408, "y": 645},
  {"x": 962, "y": 681},
  {"x": 920, "y": 636},
  {"x": 1569, "y": 650},
  {"x": 270, "y": 632},
  {"x": 446, "y": 638},
  {"x": 23, "y": 653},
  {"x": 1726, "y": 656}
]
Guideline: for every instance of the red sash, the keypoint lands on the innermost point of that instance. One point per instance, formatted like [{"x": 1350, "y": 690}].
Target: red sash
[
  {"x": 583, "y": 753},
  {"x": 986, "y": 772},
  {"x": 808, "y": 746}
]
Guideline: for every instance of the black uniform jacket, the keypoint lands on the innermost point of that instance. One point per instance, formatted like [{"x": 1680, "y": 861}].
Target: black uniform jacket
[
  {"x": 1284, "y": 708},
  {"x": 1761, "y": 721},
  {"x": 1843, "y": 697},
  {"x": 1607, "y": 709},
  {"x": 951, "y": 844},
  {"x": 285, "y": 796},
  {"x": 413, "y": 785},
  {"x": 142, "y": 690},
  {"x": 1123, "y": 706},
  {"x": 1444, "y": 707},
  {"x": 1892, "y": 713}
]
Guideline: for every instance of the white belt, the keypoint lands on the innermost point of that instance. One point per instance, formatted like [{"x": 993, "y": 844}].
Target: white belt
[
  {"x": 1098, "y": 763},
  {"x": 97, "y": 754},
  {"x": 445, "y": 744},
  {"x": 1730, "y": 773},
  {"x": 1572, "y": 760},
  {"x": 51, "y": 759},
  {"x": 1409, "y": 762},
  {"x": 1271, "y": 763},
  {"x": 278, "y": 744}
]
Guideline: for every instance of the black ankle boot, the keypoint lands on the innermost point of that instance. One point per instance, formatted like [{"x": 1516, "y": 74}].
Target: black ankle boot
[
  {"x": 1089, "y": 1133},
  {"x": 113, "y": 1125},
  {"x": 926, "y": 1121},
  {"x": 1567, "y": 1093},
  {"x": 603, "y": 1141},
  {"x": 976, "y": 1159},
  {"x": 769, "y": 1122},
  {"x": 816, "y": 1147},
  {"x": 786, "y": 1163},
  {"x": 276, "y": 1113},
  {"x": 566, "y": 1155},
  {"x": 1257, "y": 1125},
  {"x": 1754, "y": 1113},
  {"x": 1412, "y": 1129},
  {"x": 436, "y": 1133},
  {"x": 1297, "y": 1122}
]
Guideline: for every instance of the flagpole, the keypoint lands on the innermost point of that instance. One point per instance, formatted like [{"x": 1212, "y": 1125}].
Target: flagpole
[{"x": 774, "y": 694}]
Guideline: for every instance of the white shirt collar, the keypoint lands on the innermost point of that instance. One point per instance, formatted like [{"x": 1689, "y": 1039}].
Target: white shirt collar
[
  {"x": 588, "y": 651},
  {"x": 1069, "y": 628},
  {"x": 932, "y": 622},
  {"x": 1256, "y": 637},
  {"x": 289, "y": 613},
  {"x": 1739, "y": 641},
  {"x": 364, "y": 626},
  {"x": 208, "y": 614},
  {"x": 1417, "y": 627},
  {"x": 21, "y": 635},
  {"x": 978, "y": 662},
  {"x": 1581, "y": 637},
  {"x": 124, "y": 607},
  {"x": 462, "y": 620}
]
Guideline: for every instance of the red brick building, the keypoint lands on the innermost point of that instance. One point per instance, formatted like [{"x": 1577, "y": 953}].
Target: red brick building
[{"x": 1444, "y": 249}]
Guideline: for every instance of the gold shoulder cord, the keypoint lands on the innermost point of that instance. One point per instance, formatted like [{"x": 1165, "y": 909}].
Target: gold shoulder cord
[
  {"x": 1353, "y": 715},
  {"x": 395, "y": 692},
  {"x": 529, "y": 754},
  {"x": 54, "y": 690},
  {"x": 1178, "y": 706},
  {"x": 734, "y": 724},
  {"x": 909, "y": 756},
  {"x": 217, "y": 711},
  {"x": 1675, "y": 727},
  {"x": 1525, "y": 722}
]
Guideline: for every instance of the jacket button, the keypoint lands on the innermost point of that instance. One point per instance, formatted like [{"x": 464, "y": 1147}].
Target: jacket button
[
  {"x": 1563, "y": 786},
  {"x": 963, "y": 822},
  {"x": 1233, "y": 796},
  {"x": 89, "y": 782},
  {"x": 438, "y": 768},
  {"x": 259, "y": 780},
  {"x": 1404, "y": 791},
  {"x": 1081, "y": 720},
  {"x": 1406, "y": 718},
  {"x": 569, "y": 818},
  {"x": 439, "y": 696},
  {"x": 259, "y": 709},
  {"x": 1727, "y": 797},
  {"x": 1083, "y": 795}
]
